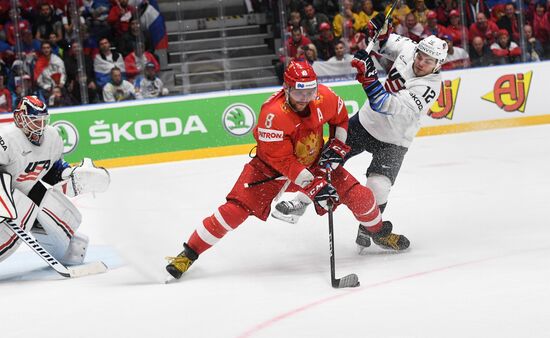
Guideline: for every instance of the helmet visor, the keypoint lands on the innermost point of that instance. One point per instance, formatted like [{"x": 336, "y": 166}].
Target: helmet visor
[{"x": 303, "y": 95}]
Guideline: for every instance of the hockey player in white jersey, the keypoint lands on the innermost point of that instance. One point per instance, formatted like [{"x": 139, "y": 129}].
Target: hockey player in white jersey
[
  {"x": 388, "y": 121},
  {"x": 31, "y": 153}
]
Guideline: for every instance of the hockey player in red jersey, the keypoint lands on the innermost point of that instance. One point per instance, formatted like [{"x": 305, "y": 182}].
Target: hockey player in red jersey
[{"x": 290, "y": 155}]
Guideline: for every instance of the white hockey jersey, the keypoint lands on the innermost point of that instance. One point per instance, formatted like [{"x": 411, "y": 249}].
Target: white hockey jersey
[
  {"x": 26, "y": 162},
  {"x": 411, "y": 96}
]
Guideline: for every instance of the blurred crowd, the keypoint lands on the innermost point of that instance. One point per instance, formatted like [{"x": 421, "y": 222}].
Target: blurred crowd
[
  {"x": 481, "y": 33},
  {"x": 71, "y": 52}
]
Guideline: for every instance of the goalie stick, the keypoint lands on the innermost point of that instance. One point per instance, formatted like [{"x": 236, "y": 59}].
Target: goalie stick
[
  {"x": 375, "y": 37},
  {"x": 351, "y": 280},
  {"x": 68, "y": 272}
]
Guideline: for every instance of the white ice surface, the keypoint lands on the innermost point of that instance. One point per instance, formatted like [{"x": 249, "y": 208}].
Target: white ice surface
[{"x": 475, "y": 207}]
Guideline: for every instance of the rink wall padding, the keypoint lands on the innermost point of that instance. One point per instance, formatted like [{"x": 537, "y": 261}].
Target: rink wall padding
[{"x": 220, "y": 124}]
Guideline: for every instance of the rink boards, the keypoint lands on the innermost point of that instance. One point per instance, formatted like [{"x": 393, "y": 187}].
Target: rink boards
[{"x": 221, "y": 123}]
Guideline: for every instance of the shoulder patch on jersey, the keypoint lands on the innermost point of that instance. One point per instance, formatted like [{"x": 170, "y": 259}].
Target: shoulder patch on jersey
[
  {"x": 270, "y": 135},
  {"x": 3, "y": 144},
  {"x": 340, "y": 104}
]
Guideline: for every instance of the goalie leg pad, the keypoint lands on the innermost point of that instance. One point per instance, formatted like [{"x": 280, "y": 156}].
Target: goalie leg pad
[
  {"x": 59, "y": 220},
  {"x": 27, "y": 211}
]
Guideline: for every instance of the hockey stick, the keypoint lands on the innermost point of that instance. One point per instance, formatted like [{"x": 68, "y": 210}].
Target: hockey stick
[
  {"x": 351, "y": 280},
  {"x": 375, "y": 37},
  {"x": 68, "y": 272}
]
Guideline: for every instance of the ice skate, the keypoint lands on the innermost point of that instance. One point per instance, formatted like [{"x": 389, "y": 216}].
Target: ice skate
[
  {"x": 383, "y": 238},
  {"x": 182, "y": 262},
  {"x": 289, "y": 211}
]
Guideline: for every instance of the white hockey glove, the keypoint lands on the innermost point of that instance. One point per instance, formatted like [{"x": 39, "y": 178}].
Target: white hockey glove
[{"x": 85, "y": 178}]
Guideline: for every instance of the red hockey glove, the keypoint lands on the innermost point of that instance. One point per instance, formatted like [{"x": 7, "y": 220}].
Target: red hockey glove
[
  {"x": 320, "y": 192},
  {"x": 334, "y": 153},
  {"x": 366, "y": 71}
]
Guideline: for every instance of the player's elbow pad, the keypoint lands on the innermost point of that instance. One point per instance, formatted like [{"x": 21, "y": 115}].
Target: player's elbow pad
[{"x": 377, "y": 97}]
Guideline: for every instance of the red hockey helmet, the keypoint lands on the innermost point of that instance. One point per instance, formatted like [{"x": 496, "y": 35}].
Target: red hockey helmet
[
  {"x": 301, "y": 81},
  {"x": 32, "y": 117}
]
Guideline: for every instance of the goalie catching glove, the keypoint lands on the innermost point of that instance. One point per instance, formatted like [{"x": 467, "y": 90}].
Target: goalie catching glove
[{"x": 85, "y": 178}]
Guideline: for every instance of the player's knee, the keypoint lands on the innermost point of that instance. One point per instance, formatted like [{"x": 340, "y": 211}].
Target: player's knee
[
  {"x": 359, "y": 199},
  {"x": 232, "y": 214},
  {"x": 380, "y": 186}
]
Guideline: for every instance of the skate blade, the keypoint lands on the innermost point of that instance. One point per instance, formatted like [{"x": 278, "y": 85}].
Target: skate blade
[
  {"x": 292, "y": 219},
  {"x": 362, "y": 250}
]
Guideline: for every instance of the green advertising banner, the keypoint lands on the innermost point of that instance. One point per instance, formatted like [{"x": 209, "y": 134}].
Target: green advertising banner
[{"x": 140, "y": 128}]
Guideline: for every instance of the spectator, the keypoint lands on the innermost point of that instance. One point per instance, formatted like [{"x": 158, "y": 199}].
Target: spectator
[
  {"x": 29, "y": 45},
  {"x": 312, "y": 21},
  {"x": 420, "y": 12},
  {"x": 487, "y": 30},
  {"x": 411, "y": 28},
  {"x": 59, "y": 98},
  {"x": 23, "y": 88},
  {"x": 400, "y": 12},
  {"x": 444, "y": 10},
  {"x": 295, "y": 41},
  {"x": 69, "y": 25},
  {"x": 340, "y": 54},
  {"x": 118, "y": 89},
  {"x": 150, "y": 85},
  {"x": 541, "y": 25},
  {"x": 49, "y": 70},
  {"x": 105, "y": 61},
  {"x": 294, "y": 21},
  {"x": 473, "y": 8},
  {"x": 348, "y": 15},
  {"x": 73, "y": 79},
  {"x": 120, "y": 15},
  {"x": 328, "y": 7},
  {"x": 356, "y": 41},
  {"x": 9, "y": 28},
  {"x": 128, "y": 41},
  {"x": 135, "y": 62},
  {"x": 310, "y": 53},
  {"x": 367, "y": 11},
  {"x": 533, "y": 47},
  {"x": 505, "y": 50},
  {"x": 455, "y": 29},
  {"x": 457, "y": 57},
  {"x": 96, "y": 13},
  {"x": 46, "y": 23},
  {"x": 432, "y": 27},
  {"x": 325, "y": 43},
  {"x": 480, "y": 54},
  {"x": 5, "y": 96},
  {"x": 56, "y": 49},
  {"x": 510, "y": 22}
]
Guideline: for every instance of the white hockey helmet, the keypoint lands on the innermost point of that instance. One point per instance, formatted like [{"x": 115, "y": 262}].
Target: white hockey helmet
[{"x": 434, "y": 47}]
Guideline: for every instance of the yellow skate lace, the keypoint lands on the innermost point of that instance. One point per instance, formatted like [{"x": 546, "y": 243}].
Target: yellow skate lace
[{"x": 181, "y": 263}]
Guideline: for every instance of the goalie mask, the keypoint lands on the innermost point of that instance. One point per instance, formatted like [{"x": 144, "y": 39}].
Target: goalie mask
[
  {"x": 435, "y": 48},
  {"x": 32, "y": 117}
]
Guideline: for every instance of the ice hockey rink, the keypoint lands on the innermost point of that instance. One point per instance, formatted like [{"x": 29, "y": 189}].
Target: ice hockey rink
[{"x": 475, "y": 207}]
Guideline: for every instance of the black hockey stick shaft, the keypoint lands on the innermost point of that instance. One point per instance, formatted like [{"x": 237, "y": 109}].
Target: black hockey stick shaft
[{"x": 32, "y": 243}]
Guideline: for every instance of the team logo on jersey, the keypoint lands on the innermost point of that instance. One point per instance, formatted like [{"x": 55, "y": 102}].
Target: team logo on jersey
[
  {"x": 307, "y": 148},
  {"x": 510, "y": 92},
  {"x": 69, "y": 135},
  {"x": 33, "y": 170},
  {"x": 444, "y": 107},
  {"x": 238, "y": 119}
]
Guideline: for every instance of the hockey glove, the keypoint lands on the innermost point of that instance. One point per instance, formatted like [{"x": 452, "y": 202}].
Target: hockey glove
[
  {"x": 367, "y": 75},
  {"x": 85, "y": 178},
  {"x": 321, "y": 192},
  {"x": 376, "y": 24},
  {"x": 366, "y": 70},
  {"x": 334, "y": 153}
]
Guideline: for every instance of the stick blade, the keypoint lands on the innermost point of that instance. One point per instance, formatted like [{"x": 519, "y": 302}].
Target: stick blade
[
  {"x": 349, "y": 281},
  {"x": 87, "y": 269}
]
